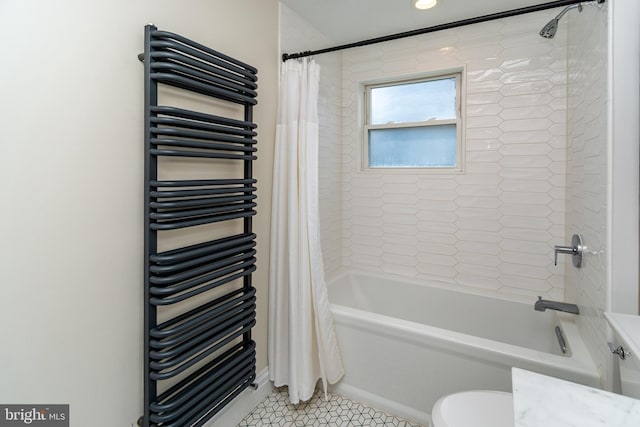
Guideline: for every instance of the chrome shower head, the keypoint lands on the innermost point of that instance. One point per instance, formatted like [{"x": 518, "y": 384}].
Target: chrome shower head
[{"x": 549, "y": 30}]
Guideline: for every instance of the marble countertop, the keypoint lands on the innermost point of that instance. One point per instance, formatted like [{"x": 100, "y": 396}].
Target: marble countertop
[{"x": 543, "y": 401}]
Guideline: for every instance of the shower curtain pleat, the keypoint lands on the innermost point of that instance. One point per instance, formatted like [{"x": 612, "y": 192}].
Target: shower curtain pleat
[{"x": 302, "y": 342}]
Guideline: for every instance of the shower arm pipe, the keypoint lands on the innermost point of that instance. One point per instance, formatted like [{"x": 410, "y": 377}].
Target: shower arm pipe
[
  {"x": 568, "y": 8},
  {"x": 455, "y": 24}
]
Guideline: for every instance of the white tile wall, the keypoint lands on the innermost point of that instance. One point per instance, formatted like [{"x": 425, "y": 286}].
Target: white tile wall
[
  {"x": 587, "y": 175},
  {"x": 493, "y": 227}
]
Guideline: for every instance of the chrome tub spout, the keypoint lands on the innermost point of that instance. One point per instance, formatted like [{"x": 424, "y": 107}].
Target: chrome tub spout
[{"x": 542, "y": 305}]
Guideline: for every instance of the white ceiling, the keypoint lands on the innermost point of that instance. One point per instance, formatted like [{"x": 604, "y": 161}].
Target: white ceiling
[{"x": 346, "y": 21}]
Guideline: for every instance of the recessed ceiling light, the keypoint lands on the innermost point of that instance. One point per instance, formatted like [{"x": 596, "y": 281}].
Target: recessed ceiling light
[{"x": 424, "y": 4}]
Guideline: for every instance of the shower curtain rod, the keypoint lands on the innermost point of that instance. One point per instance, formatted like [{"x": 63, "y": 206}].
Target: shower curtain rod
[{"x": 463, "y": 22}]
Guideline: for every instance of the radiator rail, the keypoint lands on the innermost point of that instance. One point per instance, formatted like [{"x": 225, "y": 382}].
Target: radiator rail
[{"x": 199, "y": 300}]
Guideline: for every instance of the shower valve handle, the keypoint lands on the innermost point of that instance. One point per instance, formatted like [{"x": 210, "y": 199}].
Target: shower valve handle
[
  {"x": 562, "y": 250},
  {"x": 575, "y": 250}
]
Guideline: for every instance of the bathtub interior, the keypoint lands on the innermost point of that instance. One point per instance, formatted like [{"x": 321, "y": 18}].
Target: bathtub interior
[{"x": 510, "y": 322}]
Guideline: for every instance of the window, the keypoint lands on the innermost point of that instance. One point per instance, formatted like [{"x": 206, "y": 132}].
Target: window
[{"x": 414, "y": 124}]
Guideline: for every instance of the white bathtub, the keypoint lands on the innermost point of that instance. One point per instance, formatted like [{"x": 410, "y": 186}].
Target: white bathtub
[{"x": 405, "y": 343}]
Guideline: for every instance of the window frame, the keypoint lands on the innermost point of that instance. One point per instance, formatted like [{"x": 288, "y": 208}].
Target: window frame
[{"x": 458, "y": 74}]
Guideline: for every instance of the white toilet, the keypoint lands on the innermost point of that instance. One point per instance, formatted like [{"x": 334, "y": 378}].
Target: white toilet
[{"x": 485, "y": 408}]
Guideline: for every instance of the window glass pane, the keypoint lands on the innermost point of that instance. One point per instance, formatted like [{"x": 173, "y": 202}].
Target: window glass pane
[
  {"x": 414, "y": 102},
  {"x": 425, "y": 146}
]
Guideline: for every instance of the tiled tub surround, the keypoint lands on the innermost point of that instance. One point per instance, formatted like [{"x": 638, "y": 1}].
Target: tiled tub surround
[{"x": 492, "y": 227}]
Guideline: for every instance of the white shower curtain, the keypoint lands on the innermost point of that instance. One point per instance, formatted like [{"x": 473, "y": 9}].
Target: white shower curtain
[{"x": 302, "y": 341}]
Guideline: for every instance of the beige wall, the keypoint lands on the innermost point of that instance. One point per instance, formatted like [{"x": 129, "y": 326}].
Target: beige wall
[{"x": 71, "y": 184}]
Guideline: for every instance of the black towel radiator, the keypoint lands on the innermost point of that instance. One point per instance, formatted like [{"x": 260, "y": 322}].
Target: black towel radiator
[{"x": 200, "y": 356}]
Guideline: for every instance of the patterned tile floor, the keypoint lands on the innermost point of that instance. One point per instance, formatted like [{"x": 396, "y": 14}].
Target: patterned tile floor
[{"x": 337, "y": 411}]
